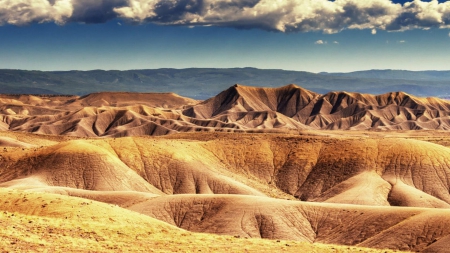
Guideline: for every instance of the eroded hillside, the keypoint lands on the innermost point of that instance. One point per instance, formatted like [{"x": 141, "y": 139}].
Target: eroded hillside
[
  {"x": 369, "y": 190},
  {"x": 237, "y": 109}
]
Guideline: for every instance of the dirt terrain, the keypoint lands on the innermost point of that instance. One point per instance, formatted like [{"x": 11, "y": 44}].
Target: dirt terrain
[
  {"x": 237, "y": 109},
  {"x": 37, "y": 222},
  {"x": 341, "y": 190},
  {"x": 303, "y": 189}
]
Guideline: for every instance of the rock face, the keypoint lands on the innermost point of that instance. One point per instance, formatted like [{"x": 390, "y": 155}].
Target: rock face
[{"x": 237, "y": 109}]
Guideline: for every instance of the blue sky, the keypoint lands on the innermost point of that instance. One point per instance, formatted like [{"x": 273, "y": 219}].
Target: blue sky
[{"x": 128, "y": 40}]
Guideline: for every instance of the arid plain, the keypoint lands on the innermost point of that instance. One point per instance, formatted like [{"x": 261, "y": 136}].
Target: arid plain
[{"x": 249, "y": 170}]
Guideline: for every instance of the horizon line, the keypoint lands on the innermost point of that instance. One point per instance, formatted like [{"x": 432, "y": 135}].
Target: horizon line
[{"x": 187, "y": 68}]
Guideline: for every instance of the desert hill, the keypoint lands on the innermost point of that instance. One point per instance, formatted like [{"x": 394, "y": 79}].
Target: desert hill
[
  {"x": 98, "y": 114},
  {"x": 376, "y": 227},
  {"x": 287, "y": 100},
  {"x": 122, "y": 99},
  {"x": 116, "y": 99},
  {"x": 34, "y": 222},
  {"x": 335, "y": 110},
  {"x": 389, "y": 171},
  {"x": 369, "y": 191},
  {"x": 248, "y": 163},
  {"x": 237, "y": 109}
]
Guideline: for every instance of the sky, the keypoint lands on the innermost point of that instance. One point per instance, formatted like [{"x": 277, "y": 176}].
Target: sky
[{"x": 304, "y": 35}]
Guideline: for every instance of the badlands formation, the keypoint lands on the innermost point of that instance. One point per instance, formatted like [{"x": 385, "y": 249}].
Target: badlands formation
[
  {"x": 237, "y": 109},
  {"x": 251, "y": 169}
]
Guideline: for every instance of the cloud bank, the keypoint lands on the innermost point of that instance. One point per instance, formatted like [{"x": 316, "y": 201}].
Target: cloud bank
[{"x": 272, "y": 15}]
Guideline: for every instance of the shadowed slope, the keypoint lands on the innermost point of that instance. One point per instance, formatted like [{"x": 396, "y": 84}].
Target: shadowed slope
[
  {"x": 75, "y": 164},
  {"x": 244, "y": 104},
  {"x": 258, "y": 217},
  {"x": 334, "y": 110}
]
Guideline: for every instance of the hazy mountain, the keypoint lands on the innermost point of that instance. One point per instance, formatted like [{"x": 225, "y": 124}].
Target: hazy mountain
[
  {"x": 205, "y": 83},
  {"x": 430, "y": 75}
]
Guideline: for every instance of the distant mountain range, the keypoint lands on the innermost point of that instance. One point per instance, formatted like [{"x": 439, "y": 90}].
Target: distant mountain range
[{"x": 203, "y": 83}]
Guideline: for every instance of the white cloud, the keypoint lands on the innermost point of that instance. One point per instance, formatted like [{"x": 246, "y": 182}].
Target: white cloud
[
  {"x": 421, "y": 14},
  {"x": 285, "y": 16},
  {"x": 448, "y": 34},
  {"x": 275, "y": 15},
  {"x": 294, "y": 15},
  {"x": 374, "y": 31},
  {"x": 21, "y": 12},
  {"x": 335, "y": 42},
  {"x": 402, "y": 41},
  {"x": 320, "y": 42}
]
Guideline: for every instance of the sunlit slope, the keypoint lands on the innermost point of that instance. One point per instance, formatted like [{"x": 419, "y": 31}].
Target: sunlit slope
[
  {"x": 221, "y": 183},
  {"x": 96, "y": 165},
  {"x": 370, "y": 171},
  {"x": 33, "y": 222},
  {"x": 365, "y": 171},
  {"x": 75, "y": 164}
]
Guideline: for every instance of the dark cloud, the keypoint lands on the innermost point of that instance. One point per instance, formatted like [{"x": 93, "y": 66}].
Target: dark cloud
[
  {"x": 420, "y": 14},
  {"x": 99, "y": 11},
  {"x": 173, "y": 11},
  {"x": 283, "y": 16}
]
